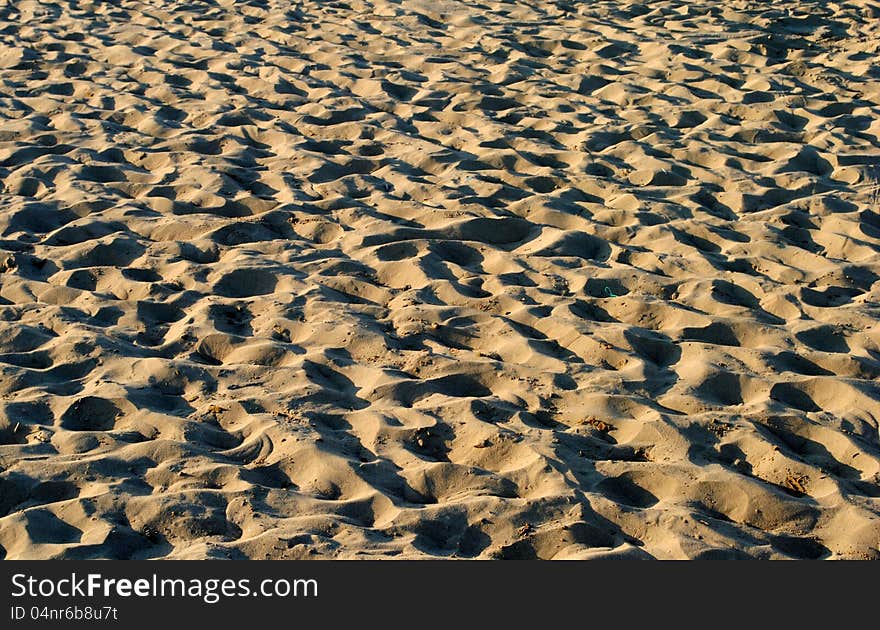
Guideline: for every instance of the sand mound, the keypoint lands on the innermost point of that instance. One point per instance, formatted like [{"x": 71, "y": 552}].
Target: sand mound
[{"x": 440, "y": 279}]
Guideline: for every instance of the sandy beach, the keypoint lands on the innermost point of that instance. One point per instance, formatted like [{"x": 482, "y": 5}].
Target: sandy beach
[{"x": 440, "y": 279}]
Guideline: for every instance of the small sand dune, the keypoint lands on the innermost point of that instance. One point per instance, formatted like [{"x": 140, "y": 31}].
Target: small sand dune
[{"x": 432, "y": 278}]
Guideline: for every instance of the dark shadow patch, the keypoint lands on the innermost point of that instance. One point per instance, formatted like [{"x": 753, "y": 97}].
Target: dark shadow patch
[
  {"x": 158, "y": 312},
  {"x": 578, "y": 245},
  {"x": 791, "y": 395},
  {"x": 729, "y": 293},
  {"x": 497, "y": 104},
  {"x": 457, "y": 253},
  {"x": 267, "y": 476},
  {"x": 541, "y": 184},
  {"x": 496, "y": 231},
  {"x": 830, "y": 297},
  {"x": 623, "y": 489},
  {"x": 590, "y": 311},
  {"x": 800, "y": 548},
  {"x": 440, "y": 535},
  {"x": 605, "y": 288},
  {"x": 37, "y": 412},
  {"x": 653, "y": 346},
  {"x": 824, "y": 339},
  {"x": 396, "y": 251},
  {"x": 84, "y": 279},
  {"x": 231, "y": 319},
  {"x": 242, "y": 232},
  {"x": 715, "y": 333},
  {"x": 472, "y": 542},
  {"x": 791, "y": 362},
  {"x": 43, "y": 527},
  {"x": 141, "y": 275},
  {"x": 246, "y": 283},
  {"x": 90, "y": 413},
  {"x": 722, "y": 388},
  {"x": 491, "y": 411},
  {"x": 102, "y": 174}
]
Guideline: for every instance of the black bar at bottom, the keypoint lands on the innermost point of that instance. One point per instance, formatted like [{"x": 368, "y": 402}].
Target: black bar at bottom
[{"x": 390, "y": 594}]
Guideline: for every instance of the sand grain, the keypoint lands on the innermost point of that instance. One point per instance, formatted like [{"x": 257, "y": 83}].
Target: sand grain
[{"x": 439, "y": 279}]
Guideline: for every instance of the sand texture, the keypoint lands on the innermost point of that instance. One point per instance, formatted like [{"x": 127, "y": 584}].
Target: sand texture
[{"x": 430, "y": 278}]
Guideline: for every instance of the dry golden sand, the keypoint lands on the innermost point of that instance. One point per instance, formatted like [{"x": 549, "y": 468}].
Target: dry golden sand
[{"x": 439, "y": 279}]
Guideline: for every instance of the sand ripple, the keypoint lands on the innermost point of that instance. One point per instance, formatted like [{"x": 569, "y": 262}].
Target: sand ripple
[{"x": 434, "y": 278}]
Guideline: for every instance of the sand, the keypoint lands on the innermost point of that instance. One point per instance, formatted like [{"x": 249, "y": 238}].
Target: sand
[{"x": 440, "y": 279}]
